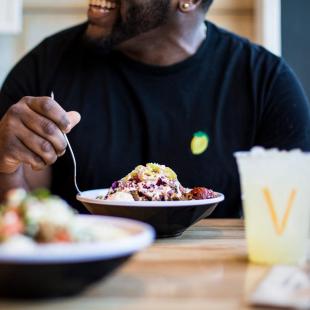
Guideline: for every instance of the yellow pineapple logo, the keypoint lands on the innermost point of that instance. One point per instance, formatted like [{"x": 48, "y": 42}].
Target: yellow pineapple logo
[{"x": 200, "y": 143}]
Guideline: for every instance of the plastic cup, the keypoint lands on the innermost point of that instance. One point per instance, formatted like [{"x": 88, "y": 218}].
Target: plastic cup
[{"x": 275, "y": 188}]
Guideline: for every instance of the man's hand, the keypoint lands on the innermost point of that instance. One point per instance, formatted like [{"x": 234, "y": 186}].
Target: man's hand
[{"x": 31, "y": 132}]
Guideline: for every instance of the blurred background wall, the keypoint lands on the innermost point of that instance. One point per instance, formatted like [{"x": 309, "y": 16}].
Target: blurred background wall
[
  {"x": 44, "y": 17},
  {"x": 236, "y": 15},
  {"x": 258, "y": 20},
  {"x": 40, "y": 18},
  {"x": 296, "y": 38}
]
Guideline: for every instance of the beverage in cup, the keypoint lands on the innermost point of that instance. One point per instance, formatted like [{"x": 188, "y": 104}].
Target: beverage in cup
[{"x": 275, "y": 187}]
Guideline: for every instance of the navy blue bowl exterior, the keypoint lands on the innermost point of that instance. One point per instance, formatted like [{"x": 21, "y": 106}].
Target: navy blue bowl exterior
[
  {"x": 40, "y": 281},
  {"x": 167, "y": 221}
]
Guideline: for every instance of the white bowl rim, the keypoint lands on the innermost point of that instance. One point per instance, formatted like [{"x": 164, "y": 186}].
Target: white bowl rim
[
  {"x": 85, "y": 252},
  {"x": 90, "y": 197}
]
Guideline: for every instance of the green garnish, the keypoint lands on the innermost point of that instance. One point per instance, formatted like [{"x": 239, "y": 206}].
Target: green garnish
[{"x": 41, "y": 193}]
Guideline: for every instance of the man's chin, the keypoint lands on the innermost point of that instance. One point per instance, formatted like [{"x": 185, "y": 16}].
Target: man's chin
[
  {"x": 99, "y": 38},
  {"x": 97, "y": 33}
]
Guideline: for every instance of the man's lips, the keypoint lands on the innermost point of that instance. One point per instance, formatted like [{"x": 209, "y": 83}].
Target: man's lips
[
  {"x": 100, "y": 8},
  {"x": 103, "y": 4}
]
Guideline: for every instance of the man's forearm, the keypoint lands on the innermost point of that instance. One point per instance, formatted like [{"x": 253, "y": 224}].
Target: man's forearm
[{"x": 14, "y": 180}]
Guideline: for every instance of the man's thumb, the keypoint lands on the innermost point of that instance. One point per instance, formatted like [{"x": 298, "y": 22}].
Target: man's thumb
[{"x": 74, "y": 118}]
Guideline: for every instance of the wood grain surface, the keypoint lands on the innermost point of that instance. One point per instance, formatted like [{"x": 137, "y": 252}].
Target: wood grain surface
[{"x": 206, "y": 268}]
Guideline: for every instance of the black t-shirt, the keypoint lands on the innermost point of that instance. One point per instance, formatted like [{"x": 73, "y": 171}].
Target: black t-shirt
[{"x": 233, "y": 92}]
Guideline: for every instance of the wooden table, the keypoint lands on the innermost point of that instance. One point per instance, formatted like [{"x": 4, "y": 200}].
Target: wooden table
[{"x": 206, "y": 268}]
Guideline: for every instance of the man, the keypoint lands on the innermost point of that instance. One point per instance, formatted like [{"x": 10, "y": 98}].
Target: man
[{"x": 153, "y": 82}]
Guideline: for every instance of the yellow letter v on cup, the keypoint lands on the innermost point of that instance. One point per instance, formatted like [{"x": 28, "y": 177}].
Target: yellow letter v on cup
[{"x": 279, "y": 226}]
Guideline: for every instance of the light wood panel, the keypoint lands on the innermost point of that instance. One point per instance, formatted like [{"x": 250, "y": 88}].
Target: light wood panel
[
  {"x": 235, "y": 15},
  {"x": 233, "y": 5},
  {"x": 57, "y": 4}
]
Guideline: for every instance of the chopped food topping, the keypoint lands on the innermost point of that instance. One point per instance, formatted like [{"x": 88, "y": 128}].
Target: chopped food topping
[{"x": 154, "y": 182}]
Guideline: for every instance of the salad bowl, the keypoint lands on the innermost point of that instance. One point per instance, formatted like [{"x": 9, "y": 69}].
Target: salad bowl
[
  {"x": 168, "y": 218},
  {"x": 62, "y": 269}
]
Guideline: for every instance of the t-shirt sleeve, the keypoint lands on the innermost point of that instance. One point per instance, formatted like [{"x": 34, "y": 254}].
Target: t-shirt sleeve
[
  {"x": 22, "y": 81},
  {"x": 285, "y": 119}
]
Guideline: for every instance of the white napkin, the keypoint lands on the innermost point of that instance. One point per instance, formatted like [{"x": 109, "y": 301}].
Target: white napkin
[
  {"x": 284, "y": 287},
  {"x": 11, "y": 12}
]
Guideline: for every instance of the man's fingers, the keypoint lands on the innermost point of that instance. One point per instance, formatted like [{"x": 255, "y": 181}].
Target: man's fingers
[
  {"x": 32, "y": 133},
  {"x": 50, "y": 109},
  {"x": 36, "y": 144},
  {"x": 45, "y": 128},
  {"x": 26, "y": 156},
  {"x": 74, "y": 118}
]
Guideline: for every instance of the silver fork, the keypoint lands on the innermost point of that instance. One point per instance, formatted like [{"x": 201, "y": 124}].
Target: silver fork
[{"x": 72, "y": 155}]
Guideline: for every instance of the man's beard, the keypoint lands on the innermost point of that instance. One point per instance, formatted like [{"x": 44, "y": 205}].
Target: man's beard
[{"x": 140, "y": 18}]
